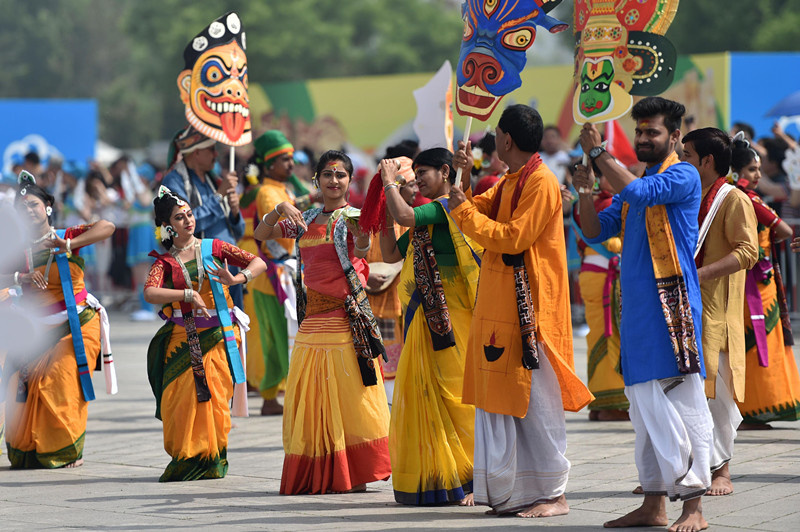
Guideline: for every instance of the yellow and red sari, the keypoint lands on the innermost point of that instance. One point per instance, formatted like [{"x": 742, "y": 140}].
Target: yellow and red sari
[
  {"x": 46, "y": 414},
  {"x": 195, "y": 433},
  {"x": 335, "y": 429}
]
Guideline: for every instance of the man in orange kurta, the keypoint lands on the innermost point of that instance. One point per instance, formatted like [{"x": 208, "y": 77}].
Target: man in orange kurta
[{"x": 520, "y": 433}]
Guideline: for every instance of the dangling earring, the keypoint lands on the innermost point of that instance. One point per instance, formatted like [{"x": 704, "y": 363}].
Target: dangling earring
[
  {"x": 171, "y": 232},
  {"x": 315, "y": 181},
  {"x": 48, "y": 210}
]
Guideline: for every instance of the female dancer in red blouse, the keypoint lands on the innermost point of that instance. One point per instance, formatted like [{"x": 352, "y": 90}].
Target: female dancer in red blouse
[
  {"x": 335, "y": 417},
  {"x": 193, "y": 359}
]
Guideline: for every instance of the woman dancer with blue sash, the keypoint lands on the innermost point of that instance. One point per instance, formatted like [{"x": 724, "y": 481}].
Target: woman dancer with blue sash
[
  {"x": 194, "y": 359},
  {"x": 47, "y": 395}
]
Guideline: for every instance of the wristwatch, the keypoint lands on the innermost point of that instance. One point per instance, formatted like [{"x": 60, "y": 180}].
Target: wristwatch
[{"x": 596, "y": 152}]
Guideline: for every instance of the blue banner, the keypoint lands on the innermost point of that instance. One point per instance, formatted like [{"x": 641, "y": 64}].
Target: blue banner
[
  {"x": 64, "y": 128},
  {"x": 758, "y": 81}
]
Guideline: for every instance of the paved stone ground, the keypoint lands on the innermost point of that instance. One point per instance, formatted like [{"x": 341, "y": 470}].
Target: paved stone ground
[{"x": 117, "y": 488}]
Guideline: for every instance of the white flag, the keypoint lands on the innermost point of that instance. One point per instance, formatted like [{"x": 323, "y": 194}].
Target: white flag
[{"x": 434, "y": 122}]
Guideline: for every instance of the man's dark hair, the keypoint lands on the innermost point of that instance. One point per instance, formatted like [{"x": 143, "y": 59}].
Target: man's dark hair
[
  {"x": 747, "y": 128},
  {"x": 487, "y": 144},
  {"x": 32, "y": 157},
  {"x": 776, "y": 149},
  {"x": 525, "y": 126},
  {"x": 712, "y": 141},
  {"x": 656, "y": 105},
  {"x": 406, "y": 148},
  {"x": 488, "y": 147}
]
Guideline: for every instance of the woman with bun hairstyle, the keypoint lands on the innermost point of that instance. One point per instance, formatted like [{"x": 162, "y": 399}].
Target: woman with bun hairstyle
[
  {"x": 194, "y": 359},
  {"x": 47, "y": 395},
  {"x": 772, "y": 383}
]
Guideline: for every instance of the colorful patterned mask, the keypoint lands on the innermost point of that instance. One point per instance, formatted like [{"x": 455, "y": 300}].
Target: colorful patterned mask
[
  {"x": 620, "y": 52},
  {"x": 497, "y": 35},
  {"x": 213, "y": 84}
]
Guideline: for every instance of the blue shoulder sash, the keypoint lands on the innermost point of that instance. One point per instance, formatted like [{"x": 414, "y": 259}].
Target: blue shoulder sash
[
  {"x": 223, "y": 313},
  {"x": 84, "y": 372}
]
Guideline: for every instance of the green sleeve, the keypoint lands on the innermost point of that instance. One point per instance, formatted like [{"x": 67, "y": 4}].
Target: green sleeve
[{"x": 430, "y": 214}]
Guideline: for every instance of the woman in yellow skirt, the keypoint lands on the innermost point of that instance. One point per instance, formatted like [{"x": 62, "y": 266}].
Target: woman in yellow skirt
[
  {"x": 47, "y": 397},
  {"x": 192, "y": 360},
  {"x": 335, "y": 417},
  {"x": 772, "y": 382},
  {"x": 432, "y": 433}
]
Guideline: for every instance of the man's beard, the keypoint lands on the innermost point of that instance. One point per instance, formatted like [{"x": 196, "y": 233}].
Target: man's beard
[{"x": 653, "y": 155}]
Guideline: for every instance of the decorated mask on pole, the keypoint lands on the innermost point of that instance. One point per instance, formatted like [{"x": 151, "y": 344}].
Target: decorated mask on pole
[
  {"x": 213, "y": 83},
  {"x": 620, "y": 52},
  {"x": 497, "y": 35}
]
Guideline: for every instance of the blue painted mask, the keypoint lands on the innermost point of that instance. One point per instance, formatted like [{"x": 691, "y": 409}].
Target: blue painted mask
[{"x": 497, "y": 34}]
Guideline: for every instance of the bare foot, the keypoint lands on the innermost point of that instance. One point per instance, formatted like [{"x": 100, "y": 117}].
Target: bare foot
[
  {"x": 691, "y": 520},
  {"x": 613, "y": 415},
  {"x": 652, "y": 512},
  {"x": 361, "y": 488},
  {"x": 755, "y": 426},
  {"x": 76, "y": 463},
  {"x": 638, "y": 491},
  {"x": 271, "y": 407},
  {"x": 469, "y": 500},
  {"x": 721, "y": 482},
  {"x": 549, "y": 508}
]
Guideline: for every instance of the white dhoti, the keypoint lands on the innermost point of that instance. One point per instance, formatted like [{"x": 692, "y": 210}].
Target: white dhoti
[
  {"x": 521, "y": 461},
  {"x": 725, "y": 414},
  {"x": 673, "y": 436}
]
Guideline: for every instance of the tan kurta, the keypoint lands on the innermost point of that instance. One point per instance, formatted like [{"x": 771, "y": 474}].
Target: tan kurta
[{"x": 734, "y": 230}]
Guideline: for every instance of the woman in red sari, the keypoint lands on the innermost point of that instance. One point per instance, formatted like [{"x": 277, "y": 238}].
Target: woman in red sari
[{"x": 772, "y": 382}]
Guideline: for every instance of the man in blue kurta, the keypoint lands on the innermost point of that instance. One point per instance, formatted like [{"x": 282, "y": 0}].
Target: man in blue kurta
[
  {"x": 214, "y": 201},
  {"x": 660, "y": 326}
]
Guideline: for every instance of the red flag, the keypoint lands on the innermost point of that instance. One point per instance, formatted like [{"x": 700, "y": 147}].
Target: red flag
[{"x": 618, "y": 144}]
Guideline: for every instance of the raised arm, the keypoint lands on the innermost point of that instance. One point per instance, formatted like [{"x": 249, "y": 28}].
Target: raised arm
[
  {"x": 676, "y": 184},
  {"x": 269, "y": 228},
  {"x": 81, "y": 236},
  {"x": 539, "y": 203},
  {"x": 395, "y": 204}
]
